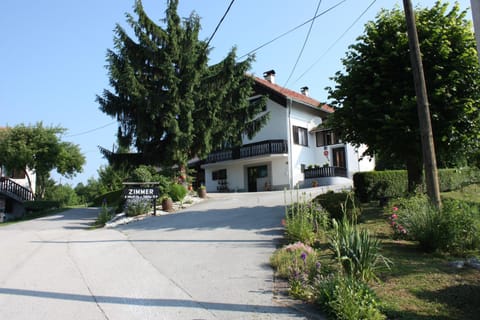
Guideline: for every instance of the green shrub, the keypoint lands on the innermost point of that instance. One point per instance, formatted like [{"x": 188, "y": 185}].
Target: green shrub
[
  {"x": 357, "y": 252},
  {"x": 346, "y": 298},
  {"x": 103, "y": 216},
  {"x": 135, "y": 207},
  {"x": 454, "y": 229},
  {"x": 304, "y": 221},
  {"x": 177, "y": 192},
  {"x": 337, "y": 203}
]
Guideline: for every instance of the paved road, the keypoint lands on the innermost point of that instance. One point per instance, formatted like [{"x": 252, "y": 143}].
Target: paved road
[{"x": 208, "y": 262}]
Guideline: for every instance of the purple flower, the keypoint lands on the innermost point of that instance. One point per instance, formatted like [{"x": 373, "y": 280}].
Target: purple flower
[{"x": 303, "y": 256}]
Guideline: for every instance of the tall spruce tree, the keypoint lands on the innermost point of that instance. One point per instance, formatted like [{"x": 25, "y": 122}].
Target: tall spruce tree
[{"x": 170, "y": 104}]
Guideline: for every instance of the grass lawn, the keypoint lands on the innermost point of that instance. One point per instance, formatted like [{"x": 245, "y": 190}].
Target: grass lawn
[{"x": 421, "y": 285}]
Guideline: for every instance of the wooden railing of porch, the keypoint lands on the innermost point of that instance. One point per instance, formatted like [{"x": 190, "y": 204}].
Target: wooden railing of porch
[{"x": 14, "y": 190}]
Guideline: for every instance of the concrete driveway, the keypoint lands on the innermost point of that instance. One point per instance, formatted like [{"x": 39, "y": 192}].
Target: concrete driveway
[{"x": 209, "y": 261}]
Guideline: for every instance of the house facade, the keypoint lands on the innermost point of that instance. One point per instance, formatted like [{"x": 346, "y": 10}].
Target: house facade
[
  {"x": 292, "y": 150},
  {"x": 14, "y": 191}
]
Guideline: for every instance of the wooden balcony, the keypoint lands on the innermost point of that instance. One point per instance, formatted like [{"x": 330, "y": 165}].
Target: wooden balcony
[
  {"x": 249, "y": 150},
  {"x": 323, "y": 172},
  {"x": 14, "y": 190}
]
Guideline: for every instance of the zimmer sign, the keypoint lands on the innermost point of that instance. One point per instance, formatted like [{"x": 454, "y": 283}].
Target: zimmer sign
[{"x": 141, "y": 192}]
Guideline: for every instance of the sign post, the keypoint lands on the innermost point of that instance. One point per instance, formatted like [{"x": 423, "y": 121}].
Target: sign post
[{"x": 142, "y": 190}]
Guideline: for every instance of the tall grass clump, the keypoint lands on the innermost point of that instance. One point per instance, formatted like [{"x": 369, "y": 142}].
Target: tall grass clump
[
  {"x": 356, "y": 251},
  {"x": 463, "y": 220},
  {"x": 103, "y": 216},
  {"x": 304, "y": 221},
  {"x": 177, "y": 192},
  {"x": 454, "y": 228}
]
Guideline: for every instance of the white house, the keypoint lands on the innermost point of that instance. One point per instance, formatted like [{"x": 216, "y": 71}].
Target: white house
[{"x": 291, "y": 150}]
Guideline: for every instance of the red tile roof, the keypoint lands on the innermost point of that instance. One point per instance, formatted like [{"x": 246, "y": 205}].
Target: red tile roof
[{"x": 287, "y": 93}]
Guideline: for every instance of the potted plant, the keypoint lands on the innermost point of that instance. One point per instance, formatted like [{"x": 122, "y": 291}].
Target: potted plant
[
  {"x": 202, "y": 192},
  {"x": 167, "y": 203}
]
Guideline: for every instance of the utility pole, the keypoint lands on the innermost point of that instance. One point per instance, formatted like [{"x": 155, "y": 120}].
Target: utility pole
[
  {"x": 476, "y": 23},
  {"x": 428, "y": 149}
]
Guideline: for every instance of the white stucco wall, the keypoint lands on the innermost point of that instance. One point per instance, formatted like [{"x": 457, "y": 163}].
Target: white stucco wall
[
  {"x": 275, "y": 128},
  {"x": 280, "y": 172},
  {"x": 306, "y": 155}
]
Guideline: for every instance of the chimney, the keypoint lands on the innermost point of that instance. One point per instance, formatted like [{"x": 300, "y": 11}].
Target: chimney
[
  {"x": 304, "y": 91},
  {"x": 269, "y": 76}
]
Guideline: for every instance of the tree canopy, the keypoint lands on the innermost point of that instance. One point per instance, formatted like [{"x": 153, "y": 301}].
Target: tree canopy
[
  {"x": 374, "y": 96},
  {"x": 39, "y": 149},
  {"x": 170, "y": 104}
]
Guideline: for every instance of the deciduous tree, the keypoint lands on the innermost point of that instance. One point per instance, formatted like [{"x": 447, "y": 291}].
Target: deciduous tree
[
  {"x": 39, "y": 149},
  {"x": 375, "y": 99}
]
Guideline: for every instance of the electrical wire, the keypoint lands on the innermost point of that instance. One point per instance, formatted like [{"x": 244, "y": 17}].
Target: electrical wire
[
  {"x": 304, "y": 45},
  {"x": 293, "y": 29},
  {"x": 336, "y": 41},
  {"x": 219, "y": 23},
  {"x": 89, "y": 131}
]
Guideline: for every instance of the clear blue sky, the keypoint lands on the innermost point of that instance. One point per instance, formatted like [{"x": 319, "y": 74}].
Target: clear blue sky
[{"x": 52, "y": 54}]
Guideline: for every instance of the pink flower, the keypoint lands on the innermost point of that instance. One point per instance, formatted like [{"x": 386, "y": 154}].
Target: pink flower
[
  {"x": 395, "y": 208},
  {"x": 394, "y": 216}
]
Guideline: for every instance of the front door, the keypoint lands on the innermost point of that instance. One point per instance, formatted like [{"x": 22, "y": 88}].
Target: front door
[
  {"x": 255, "y": 173},
  {"x": 252, "y": 174},
  {"x": 339, "y": 157}
]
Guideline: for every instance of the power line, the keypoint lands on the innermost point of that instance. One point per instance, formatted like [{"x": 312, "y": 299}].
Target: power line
[
  {"x": 337, "y": 40},
  {"x": 89, "y": 131},
  {"x": 219, "y": 23},
  {"x": 291, "y": 30},
  {"x": 304, "y": 44}
]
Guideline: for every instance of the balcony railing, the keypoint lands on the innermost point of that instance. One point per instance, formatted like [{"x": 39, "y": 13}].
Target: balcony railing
[
  {"x": 249, "y": 150},
  {"x": 323, "y": 172},
  {"x": 14, "y": 190}
]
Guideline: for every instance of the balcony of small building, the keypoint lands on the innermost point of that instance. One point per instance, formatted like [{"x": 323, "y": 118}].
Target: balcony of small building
[
  {"x": 258, "y": 149},
  {"x": 325, "y": 176}
]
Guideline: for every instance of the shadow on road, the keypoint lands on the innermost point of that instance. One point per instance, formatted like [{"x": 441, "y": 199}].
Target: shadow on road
[
  {"x": 242, "y": 218},
  {"x": 166, "y": 303}
]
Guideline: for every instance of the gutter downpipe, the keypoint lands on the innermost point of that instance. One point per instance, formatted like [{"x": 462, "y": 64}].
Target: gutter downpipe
[{"x": 290, "y": 147}]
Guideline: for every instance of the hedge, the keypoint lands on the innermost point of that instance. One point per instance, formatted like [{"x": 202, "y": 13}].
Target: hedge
[
  {"x": 378, "y": 185},
  {"x": 41, "y": 205}
]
